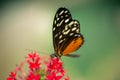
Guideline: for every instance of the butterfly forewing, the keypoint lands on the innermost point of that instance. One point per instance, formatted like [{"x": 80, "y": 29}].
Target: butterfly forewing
[
  {"x": 62, "y": 17},
  {"x": 66, "y": 33}
]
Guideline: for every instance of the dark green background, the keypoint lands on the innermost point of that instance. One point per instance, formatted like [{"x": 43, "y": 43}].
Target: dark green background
[{"x": 27, "y": 24}]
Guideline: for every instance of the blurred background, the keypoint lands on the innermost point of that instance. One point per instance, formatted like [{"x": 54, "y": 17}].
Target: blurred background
[{"x": 27, "y": 24}]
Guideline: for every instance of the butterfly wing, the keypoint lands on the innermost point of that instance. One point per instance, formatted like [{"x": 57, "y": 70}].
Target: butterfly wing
[
  {"x": 66, "y": 33},
  {"x": 62, "y": 17}
]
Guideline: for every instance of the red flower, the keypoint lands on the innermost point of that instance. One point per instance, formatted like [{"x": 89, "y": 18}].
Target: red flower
[
  {"x": 40, "y": 67},
  {"x": 55, "y": 64},
  {"x": 12, "y": 76},
  {"x": 33, "y": 61},
  {"x": 55, "y": 70},
  {"x": 67, "y": 78},
  {"x": 33, "y": 77},
  {"x": 35, "y": 64},
  {"x": 53, "y": 76},
  {"x": 32, "y": 56}
]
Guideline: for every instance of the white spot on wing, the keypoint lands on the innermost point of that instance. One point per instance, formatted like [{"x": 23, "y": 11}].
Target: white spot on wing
[
  {"x": 77, "y": 30},
  {"x": 61, "y": 12},
  {"x": 66, "y": 27},
  {"x": 60, "y": 41},
  {"x": 60, "y": 36},
  {"x": 71, "y": 34},
  {"x": 55, "y": 22},
  {"x": 72, "y": 22},
  {"x": 75, "y": 22},
  {"x": 66, "y": 15},
  {"x": 66, "y": 32},
  {"x": 66, "y": 20},
  {"x": 61, "y": 16},
  {"x": 74, "y": 28},
  {"x": 75, "y": 25},
  {"x": 53, "y": 28},
  {"x": 56, "y": 15},
  {"x": 58, "y": 19},
  {"x": 66, "y": 11},
  {"x": 56, "y": 35},
  {"x": 76, "y": 35},
  {"x": 61, "y": 22},
  {"x": 63, "y": 31}
]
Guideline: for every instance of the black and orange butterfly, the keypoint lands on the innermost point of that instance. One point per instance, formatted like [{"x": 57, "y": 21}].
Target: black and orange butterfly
[{"x": 66, "y": 34}]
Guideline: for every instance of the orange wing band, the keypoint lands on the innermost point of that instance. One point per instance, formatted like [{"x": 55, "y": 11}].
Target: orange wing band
[{"x": 73, "y": 46}]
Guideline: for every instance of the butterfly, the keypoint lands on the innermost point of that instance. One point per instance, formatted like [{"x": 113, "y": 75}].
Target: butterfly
[{"x": 66, "y": 34}]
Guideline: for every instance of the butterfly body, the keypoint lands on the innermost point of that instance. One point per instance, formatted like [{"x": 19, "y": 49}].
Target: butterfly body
[{"x": 66, "y": 33}]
